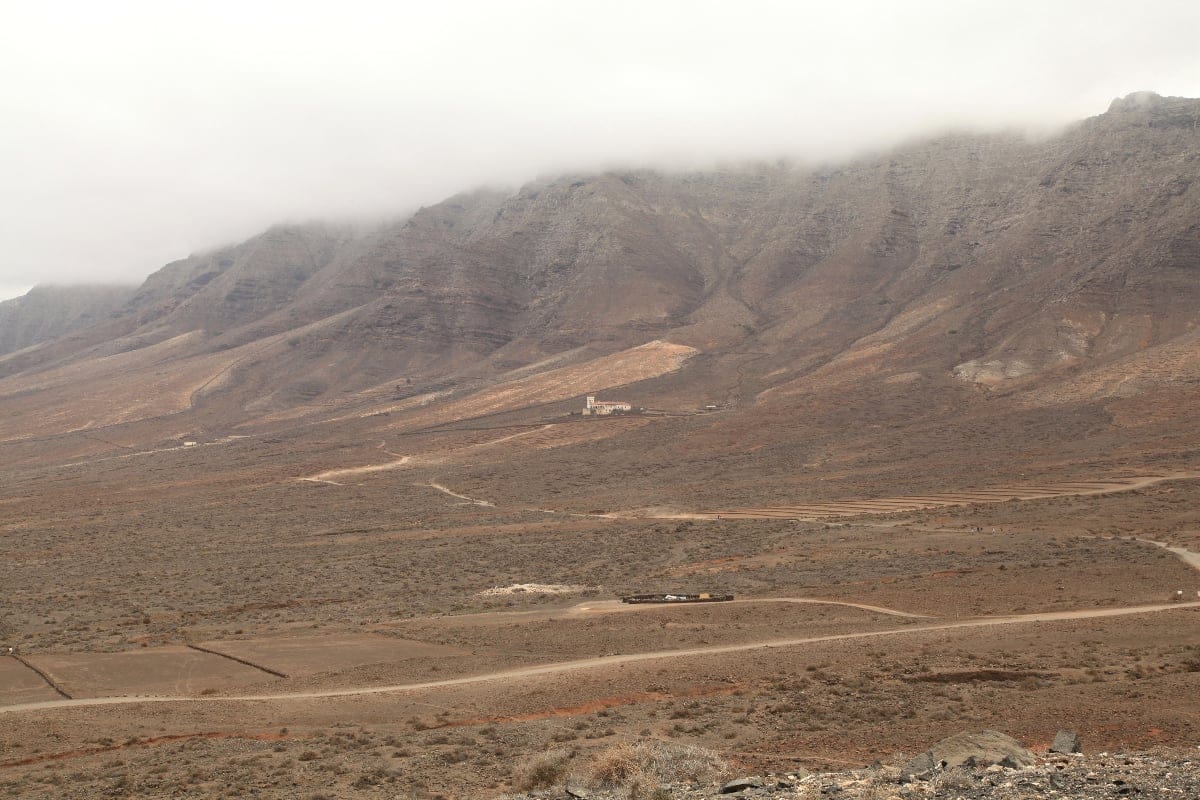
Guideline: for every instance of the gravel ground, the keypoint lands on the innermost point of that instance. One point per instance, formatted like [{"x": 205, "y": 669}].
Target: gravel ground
[{"x": 1071, "y": 777}]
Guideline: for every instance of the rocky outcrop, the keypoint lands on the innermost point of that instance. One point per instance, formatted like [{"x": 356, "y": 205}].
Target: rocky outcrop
[
  {"x": 982, "y": 749},
  {"x": 1066, "y": 743},
  {"x": 1101, "y": 777}
]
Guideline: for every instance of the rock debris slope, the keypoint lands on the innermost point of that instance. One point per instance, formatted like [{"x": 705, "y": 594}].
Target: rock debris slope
[{"x": 988, "y": 766}]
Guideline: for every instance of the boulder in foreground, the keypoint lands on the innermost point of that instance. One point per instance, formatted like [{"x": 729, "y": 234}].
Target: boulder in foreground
[
  {"x": 1066, "y": 742},
  {"x": 980, "y": 749}
]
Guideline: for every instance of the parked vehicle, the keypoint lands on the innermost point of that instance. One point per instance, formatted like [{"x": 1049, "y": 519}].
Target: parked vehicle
[{"x": 704, "y": 597}]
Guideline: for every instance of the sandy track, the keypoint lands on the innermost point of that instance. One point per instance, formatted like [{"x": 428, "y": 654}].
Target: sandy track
[
  {"x": 839, "y": 509},
  {"x": 893, "y": 505},
  {"x": 542, "y": 436},
  {"x": 329, "y": 475},
  {"x": 333, "y": 476},
  {"x": 562, "y": 667},
  {"x": 1188, "y": 557},
  {"x": 616, "y": 606},
  {"x": 1192, "y": 559},
  {"x": 452, "y": 493}
]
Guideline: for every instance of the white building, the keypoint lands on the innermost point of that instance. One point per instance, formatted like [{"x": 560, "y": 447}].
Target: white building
[{"x": 604, "y": 407}]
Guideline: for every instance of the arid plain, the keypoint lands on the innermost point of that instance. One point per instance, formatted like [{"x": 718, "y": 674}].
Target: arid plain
[
  {"x": 319, "y": 514},
  {"x": 285, "y": 614}
]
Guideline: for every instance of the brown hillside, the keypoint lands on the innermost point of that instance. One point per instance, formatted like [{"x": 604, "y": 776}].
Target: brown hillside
[{"x": 960, "y": 294}]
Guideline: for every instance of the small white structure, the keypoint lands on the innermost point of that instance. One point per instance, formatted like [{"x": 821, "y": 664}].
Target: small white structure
[{"x": 604, "y": 407}]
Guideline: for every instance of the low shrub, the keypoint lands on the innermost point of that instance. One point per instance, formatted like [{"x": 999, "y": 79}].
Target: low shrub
[
  {"x": 640, "y": 769},
  {"x": 543, "y": 770}
]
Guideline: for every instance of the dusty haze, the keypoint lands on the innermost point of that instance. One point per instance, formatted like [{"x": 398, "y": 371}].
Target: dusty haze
[{"x": 139, "y": 132}]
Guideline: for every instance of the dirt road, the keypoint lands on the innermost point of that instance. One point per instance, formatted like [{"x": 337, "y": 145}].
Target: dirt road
[
  {"x": 894, "y": 505},
  {"x": 1188, "y": 557},
  {"x": 616, "y": 606},
  {"x": 839, "y": 509},
  {"x": 842, "y": 509},
  {"x": 329, "y": 475},
  {"x": 611, "y": 661},
  {"x": 462, "y": 497}
]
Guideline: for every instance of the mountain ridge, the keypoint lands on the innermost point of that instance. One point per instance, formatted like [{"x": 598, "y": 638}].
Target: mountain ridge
[
  {"x": 49, "y": 311},
  {"x": 945, "y": 273}
]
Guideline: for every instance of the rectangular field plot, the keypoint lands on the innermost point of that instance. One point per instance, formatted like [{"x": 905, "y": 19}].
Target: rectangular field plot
[
  {"x": 20, "y": 684},
  {"x": 162, "y": 670},
  {"x": 297, "y": 656}
]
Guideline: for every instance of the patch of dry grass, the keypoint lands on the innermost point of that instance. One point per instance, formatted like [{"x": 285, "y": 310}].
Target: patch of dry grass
[
  {"x": 639, "y": 770},
  {"x": 543, "y": 770}
]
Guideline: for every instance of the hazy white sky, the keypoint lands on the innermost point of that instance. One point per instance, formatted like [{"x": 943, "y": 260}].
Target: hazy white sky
[{"x": 134, "y": 133}]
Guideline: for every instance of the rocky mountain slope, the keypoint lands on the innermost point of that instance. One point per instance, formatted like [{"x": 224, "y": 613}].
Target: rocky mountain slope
[
  {"x": 1043, "y": 284},
  {"x": 48, "y": 312}
]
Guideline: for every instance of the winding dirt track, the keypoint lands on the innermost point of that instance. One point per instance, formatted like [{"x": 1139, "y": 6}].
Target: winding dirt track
[
  {"x": 839, "y": 509},
  {"x": 607, "y": 661},
  {"x": 893, "y": 505},
  {"x": 1189, "y": 558},
  {"x": 452, "y": 493},
  {"x": 329, "y": 475}
]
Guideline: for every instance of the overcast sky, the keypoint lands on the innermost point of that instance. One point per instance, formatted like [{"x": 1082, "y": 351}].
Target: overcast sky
[{"x": 135, "y": 133}]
